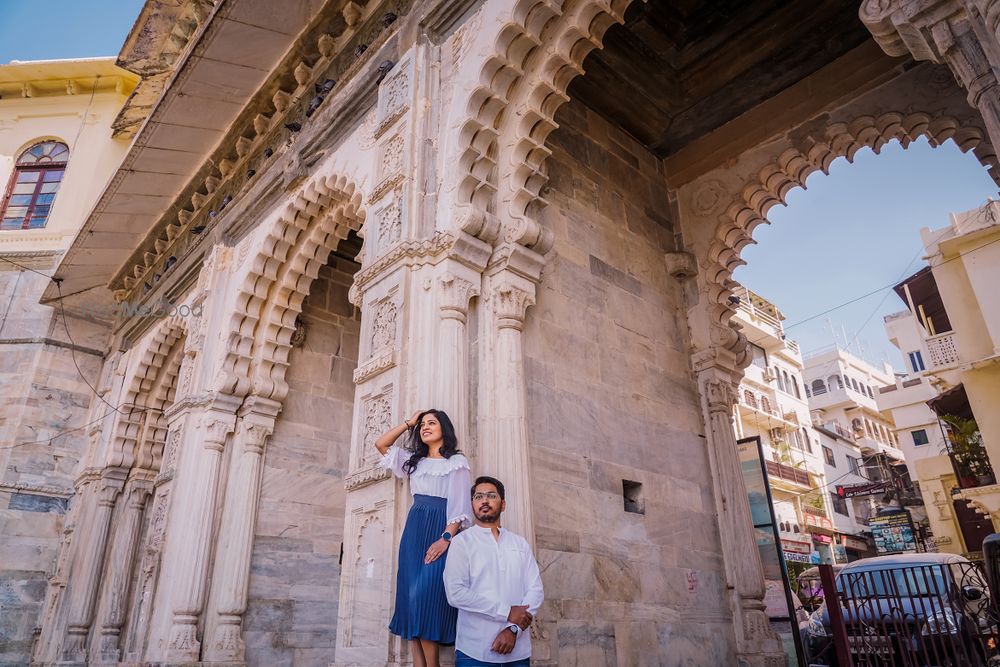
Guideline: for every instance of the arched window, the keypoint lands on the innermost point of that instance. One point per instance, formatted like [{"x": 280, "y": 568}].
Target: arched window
[
  {"x": 777, "y": 376},
  {"x": 854, "y": 383},
  {"x": 818, "y": 387},
  {"x": 795, "y": 387},
  {"x": 834, "y": 382},
  {"x": 765, "y": 404},
  {"x": 749, "y": 399},
  {"x": 33, "y": 186},
  {"x": 788, "y": 382}
]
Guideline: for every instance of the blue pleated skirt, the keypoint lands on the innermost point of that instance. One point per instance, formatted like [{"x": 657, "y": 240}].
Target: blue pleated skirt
[{"x": 422, "y": 609}]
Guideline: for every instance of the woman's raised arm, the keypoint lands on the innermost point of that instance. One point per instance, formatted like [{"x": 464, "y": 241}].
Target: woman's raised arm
[{"x": 385, "y": 440}]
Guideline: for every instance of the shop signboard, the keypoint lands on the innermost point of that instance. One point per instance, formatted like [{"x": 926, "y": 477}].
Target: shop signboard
[
  {"x": 893, "y": 533},
  {"x": 869, "y": 489}
]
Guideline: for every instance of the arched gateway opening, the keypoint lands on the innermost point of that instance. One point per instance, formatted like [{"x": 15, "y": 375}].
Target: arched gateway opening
[{"x": 642, "y": 170}]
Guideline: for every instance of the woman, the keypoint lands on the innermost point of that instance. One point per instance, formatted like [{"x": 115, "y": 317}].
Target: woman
[{"x": 439, "y": 481}]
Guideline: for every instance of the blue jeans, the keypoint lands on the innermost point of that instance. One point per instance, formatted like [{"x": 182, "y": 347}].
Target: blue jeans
[{"x": 462, "y": 660}]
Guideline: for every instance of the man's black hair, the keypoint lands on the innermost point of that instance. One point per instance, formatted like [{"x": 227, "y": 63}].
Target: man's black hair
[{"x": 489, "y": 480}]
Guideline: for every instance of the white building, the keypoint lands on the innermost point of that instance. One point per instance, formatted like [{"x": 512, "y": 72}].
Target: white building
[
  {"x": 917, "y": 429},
  {"x": 772, "y": 405},
  {"x": 842, "y": 391}
]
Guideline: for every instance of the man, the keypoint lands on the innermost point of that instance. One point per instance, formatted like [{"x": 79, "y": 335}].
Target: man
[{"x": 492, "y": 578}]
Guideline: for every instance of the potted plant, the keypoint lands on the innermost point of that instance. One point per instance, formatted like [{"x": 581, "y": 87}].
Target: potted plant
[{"x": 965, "y": 444}]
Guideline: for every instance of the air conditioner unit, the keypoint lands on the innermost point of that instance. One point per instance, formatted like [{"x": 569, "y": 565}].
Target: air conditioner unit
[{"x": 776, "y": 434}]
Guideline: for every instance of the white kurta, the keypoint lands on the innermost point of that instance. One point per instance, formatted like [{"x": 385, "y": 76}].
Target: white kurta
[
  {"x": 443, "y": 478},
  {"x": 484, "y": 577}
]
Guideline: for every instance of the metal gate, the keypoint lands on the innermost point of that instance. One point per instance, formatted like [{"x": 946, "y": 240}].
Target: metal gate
[{"x": 936, "y": 615}]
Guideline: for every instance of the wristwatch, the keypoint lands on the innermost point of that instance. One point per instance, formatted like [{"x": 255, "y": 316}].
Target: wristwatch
[
  {"x": 514, "y": 627},
  {"x": 446, "y": 536}
]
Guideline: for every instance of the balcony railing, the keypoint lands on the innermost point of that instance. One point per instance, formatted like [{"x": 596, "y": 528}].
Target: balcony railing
[
  {"x": 777, "y": 470},
  {"x": 942, "y": 350}
]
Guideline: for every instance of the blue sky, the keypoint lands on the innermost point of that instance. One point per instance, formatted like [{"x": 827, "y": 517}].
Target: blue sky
[
  {"x": 70, "y": 28},
  {"x": 847, "y": 234},
  {"x": 853, "y": 231}
]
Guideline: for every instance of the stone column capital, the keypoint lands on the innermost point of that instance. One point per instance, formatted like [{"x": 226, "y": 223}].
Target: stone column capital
[
  {"x": 254, "y": 434},
  {"x": 511, "y": 300},
  {"x": 455, "y": 295},
  {"x": 137, "y": 492},
  {"x": 216, "y": 428}
]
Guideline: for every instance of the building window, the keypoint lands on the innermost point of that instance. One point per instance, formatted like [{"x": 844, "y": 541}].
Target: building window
[
  {"x": 759, "y": 356},
  {"x": 777, "y": 376},
  {"x": 868, "y": 390},
  {"x": 795, "y": 387},
  {"x": 818, "y": 387},
  {"x": 828, "y": 455},
  {"x": 854, "y": 383},
  {"x": 808, "y": 393},
  {"x": 33, "y": 186},
  {"x": 916, "y": 361},
  {"x": 919, "y": 437},
  {"x": 805, "y": 439},
  {"x": 839, "y": 505},
  {"x": 854, "y": 465}
]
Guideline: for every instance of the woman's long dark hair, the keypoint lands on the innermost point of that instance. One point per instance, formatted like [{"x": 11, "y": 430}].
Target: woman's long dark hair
[{"x": 449, "y": 446}]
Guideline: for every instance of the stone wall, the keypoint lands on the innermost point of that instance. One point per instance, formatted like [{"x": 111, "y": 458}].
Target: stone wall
[
  {"x": 43, "y": 395},
  {"x": 295, "y": 568},
  {"x": 610, "y": 399}
]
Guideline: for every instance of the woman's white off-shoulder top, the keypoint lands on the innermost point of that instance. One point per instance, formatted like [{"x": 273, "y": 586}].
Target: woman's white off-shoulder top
[{"x": 444, "y": 478}]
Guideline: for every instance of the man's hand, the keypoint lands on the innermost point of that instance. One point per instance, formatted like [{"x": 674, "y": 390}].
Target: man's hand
[
  {"x": 435, "y": 551},
  {"x": 504, "y": 643},
  {"x": 519, "y": 614}
]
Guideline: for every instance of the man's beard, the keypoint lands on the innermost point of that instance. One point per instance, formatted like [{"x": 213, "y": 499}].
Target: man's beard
[{"x": 488, "y": 517}]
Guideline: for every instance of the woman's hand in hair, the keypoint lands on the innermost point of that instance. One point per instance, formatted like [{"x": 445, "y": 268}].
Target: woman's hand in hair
[
  {"x": 412, "y": 421},
  {"x": 435, "y": 551},
  {"x": 385, "y": 440}
]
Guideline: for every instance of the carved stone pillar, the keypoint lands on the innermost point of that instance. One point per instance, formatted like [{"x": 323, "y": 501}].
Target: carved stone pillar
[
  {"x": 86, "y": 578},
  {"x": 757, "y": 644},
  {"x": 228, "y": 601},
  {"x": 452, "y": 391},
  {"x": 193, "y": 508},
  {"x": 121, "y": 554},
  {"x": 965, "y": 36},
  {"x": 504, "y": 454}
]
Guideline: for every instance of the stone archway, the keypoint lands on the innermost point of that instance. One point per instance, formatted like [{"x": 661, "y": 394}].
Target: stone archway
[
  {"x": 98, "y": 600},
  {"x": 789, "y": 169},
  {"x": 537, "y": 50},
  {"x": 277, "y": 267},
  {"x": 271, "y": 294}
]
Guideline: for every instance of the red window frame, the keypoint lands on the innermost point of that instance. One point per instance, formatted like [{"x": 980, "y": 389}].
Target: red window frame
[{"x": 42, "y": 169}]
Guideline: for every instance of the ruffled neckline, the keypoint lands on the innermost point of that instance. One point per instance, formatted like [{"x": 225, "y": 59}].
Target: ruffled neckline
[{"x": 429, "y": 466}]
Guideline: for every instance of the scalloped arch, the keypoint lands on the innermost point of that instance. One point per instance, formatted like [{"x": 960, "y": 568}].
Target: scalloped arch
[
  {"x": 140, "y": 427},
  {"x": 789, "y": 170},
  {"x": 271, "y": 296},
  {"x": 538, "y": 50}
]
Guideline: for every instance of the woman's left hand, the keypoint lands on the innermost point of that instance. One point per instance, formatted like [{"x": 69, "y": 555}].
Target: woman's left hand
[{"x": 435, "y": 551}]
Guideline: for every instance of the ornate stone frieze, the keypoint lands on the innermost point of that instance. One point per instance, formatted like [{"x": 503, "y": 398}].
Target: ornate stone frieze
[
  {"x": 374, "y": 366},
  {"x": 365, "y": 477},
  {"x": 407, "y": 253},
  {"x": 384, "y": 325},
  {"x": 394, "y": 98},
  {"x": 376, "y": 420},
  {"x": 390, "y": 222}
]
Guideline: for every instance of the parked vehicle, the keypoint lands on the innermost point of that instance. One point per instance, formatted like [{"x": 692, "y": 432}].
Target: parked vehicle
[{"x": 911, "y": 610}]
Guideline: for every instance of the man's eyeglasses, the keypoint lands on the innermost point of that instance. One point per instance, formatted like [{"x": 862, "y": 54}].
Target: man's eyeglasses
[{"x": 492, "y": 495}]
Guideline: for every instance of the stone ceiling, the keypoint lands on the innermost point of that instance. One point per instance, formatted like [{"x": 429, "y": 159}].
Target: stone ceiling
[{"x": 679, "y": 69}]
